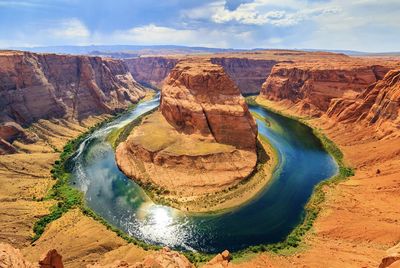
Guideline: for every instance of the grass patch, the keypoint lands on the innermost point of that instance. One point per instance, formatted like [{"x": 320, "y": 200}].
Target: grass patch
[
  {"x": 68, "y": 197},
  {"x": 121, "y": 134},
  {"x": 313, "y": 207}
]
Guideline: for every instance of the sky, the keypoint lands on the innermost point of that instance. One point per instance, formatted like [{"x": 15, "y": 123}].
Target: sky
[{"x": 363, "y": 25}]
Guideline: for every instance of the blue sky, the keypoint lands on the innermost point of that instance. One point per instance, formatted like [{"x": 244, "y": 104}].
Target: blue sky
[{"x": 365, "y": 25}]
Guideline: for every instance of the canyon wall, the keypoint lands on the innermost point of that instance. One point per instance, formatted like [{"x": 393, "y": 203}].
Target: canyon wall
[
  {"x": 248, "y": 74},
  {"x": 314, "y": 85},
  {"x": 41, "y": 86},
  {"x": 199, "y": 97},
  {"x": 151, "y": 70},
  {"x": 378, "y": 105}
]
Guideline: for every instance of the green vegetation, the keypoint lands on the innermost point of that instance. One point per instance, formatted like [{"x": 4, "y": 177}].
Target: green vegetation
[
  {"x": 294, "y": 240},
  {"x": 68, "y": 197},
  {"x": 120, "y": 134}
]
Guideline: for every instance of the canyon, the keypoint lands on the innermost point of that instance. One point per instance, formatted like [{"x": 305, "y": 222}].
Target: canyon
[
  {"x": 248, "y": 74},
  {"x": 188, "y": 148},
  {"x": 43, "y": 86},
  {"x": 355, "y": 101}
]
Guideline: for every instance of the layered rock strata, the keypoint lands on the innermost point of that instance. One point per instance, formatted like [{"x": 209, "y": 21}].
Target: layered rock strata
[
  {"x": 151, "y": 70},
  {"x": 202, "y": 140},
  {"x": 200, "y": 98},
  {"x": 248, "y": 74},
  {"x": 312, "y": 86},
  {"x": 377, "y": 106},
  {"x": 41, "y": 86}
]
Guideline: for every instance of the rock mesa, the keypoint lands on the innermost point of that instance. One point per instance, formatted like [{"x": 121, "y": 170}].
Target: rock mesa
[{"x": 202, "y": 139}]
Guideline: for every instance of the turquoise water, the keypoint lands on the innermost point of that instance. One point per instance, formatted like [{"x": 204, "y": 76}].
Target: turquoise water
[{"x": 268, "y": 218}]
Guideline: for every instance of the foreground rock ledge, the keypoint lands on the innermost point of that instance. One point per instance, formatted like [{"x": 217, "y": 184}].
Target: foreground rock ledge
[{"x": 201, "y": 141}]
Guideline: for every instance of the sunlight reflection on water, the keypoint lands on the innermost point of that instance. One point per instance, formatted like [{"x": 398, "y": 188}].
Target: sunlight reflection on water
[{"x": 267, "y": 218}]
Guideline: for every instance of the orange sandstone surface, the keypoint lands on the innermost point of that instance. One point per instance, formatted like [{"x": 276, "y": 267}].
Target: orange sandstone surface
[{"x": 201, "y": 141}]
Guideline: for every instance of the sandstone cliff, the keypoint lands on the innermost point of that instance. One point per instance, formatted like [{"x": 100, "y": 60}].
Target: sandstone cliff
[
  {"x": 248, "y": 74},
  {"x": 201, "y": 141},
  {"x": 200, "y": 98},
  {"x": 313, "y": 85},
  {"x": 41, "y": 86},
  {"x": 11, "y": 257},
  {"x": 378, "y": 105},
  {"x": 151, "y": 70}
]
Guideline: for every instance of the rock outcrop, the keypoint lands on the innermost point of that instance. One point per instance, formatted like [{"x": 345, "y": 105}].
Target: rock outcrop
[
  {"x": 220, "y": 261},
  {"x": 201, "y": 141},
  {"x": 248, "y": 74},
  {"x": 52, "y": 259},
  {"x": 392, "y": 259},
  {"x": 11, "y": 257},
  {"x": 41, "y": 86},
  {"x": 312, "y": 86},
  {"x": 200, "y": 98},
  {"x": 378, "y": 105},
  {"x": 151, "y": 70}
]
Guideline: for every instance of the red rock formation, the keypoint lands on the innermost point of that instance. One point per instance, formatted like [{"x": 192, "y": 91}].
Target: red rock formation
[
  {"x": 201, "y": 141},
  {"x": 151, "y": 70},
  {"x": 11, "y": 257},
  {"x": 219, "y": 261},
  {"x": 392, "y": 260},
  {"x": 51, "y": 260},
  {"x": 314, "y": 85},
  {"x": 37, "y": 86},
  {"x": 199, "y": 97},
  {"x": 378, "y": 105},
  {"x": 248, "y": 74}
]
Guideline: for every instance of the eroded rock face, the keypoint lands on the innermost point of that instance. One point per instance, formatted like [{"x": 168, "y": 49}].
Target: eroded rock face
[
  {"x": 220, "y": 261},
  {"x": 248, "y": 74},
  {"x": 40, "y": 86},
  {"x": 314, "y": 85},
  {"x": 392, "y": 259},
  {"x": 51, "y": 260},
  {"x": 11, "y": 257},
  {"x": 199, "y": 97},
  {"x": 201, "y": 141},
  {"x": 151, "y": 70},
  {"x": 36, "y": 86},
  {"x": 378, "y": 105}
]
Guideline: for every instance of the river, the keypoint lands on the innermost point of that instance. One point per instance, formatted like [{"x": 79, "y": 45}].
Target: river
[{"x": 267, "y": 218}]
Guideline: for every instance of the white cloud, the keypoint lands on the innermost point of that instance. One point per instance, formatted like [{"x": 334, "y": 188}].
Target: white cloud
[
  {"x": 152, "y": 34},
  {"x": 260, "y": 12},
  {"x": 69, "y": 29}
]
